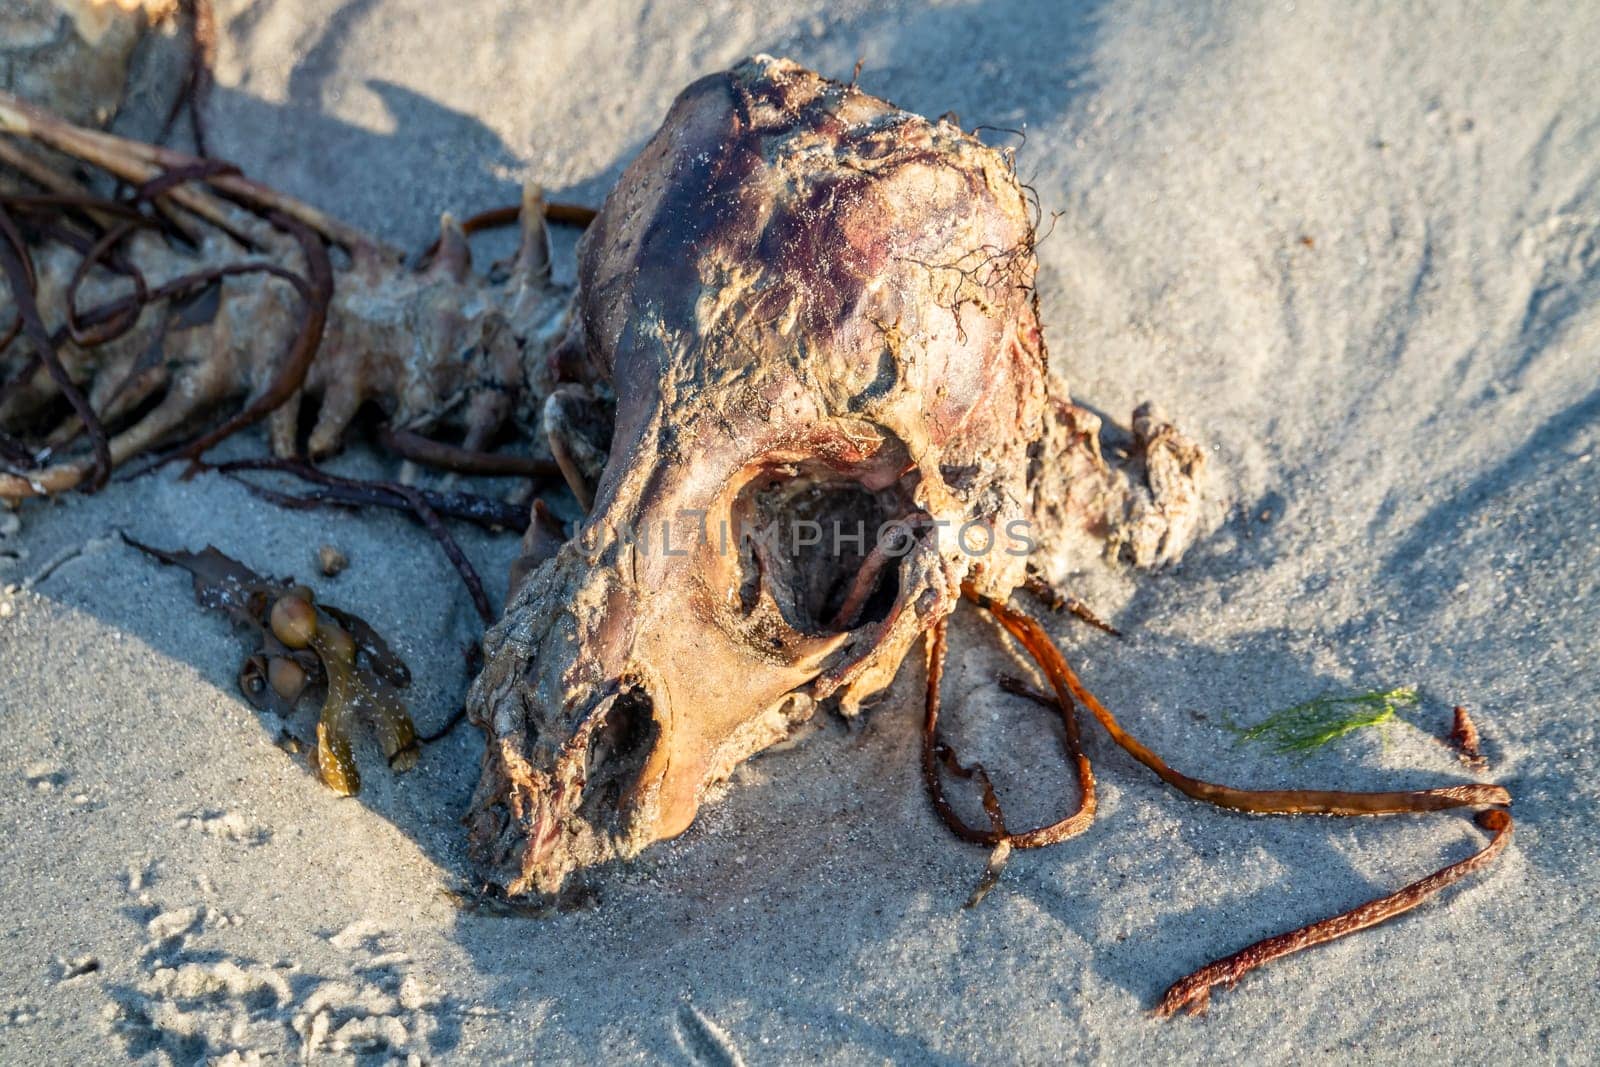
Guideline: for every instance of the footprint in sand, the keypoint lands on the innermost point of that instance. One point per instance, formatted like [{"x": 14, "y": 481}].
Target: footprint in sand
[
  {"x": 44, "y": 777},
  {"x": 227, "y": 826},
  {"x": 196, "y": 1001}
]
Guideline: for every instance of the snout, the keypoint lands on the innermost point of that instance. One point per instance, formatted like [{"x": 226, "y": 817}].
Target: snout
[{"x": 542, "y": 814}]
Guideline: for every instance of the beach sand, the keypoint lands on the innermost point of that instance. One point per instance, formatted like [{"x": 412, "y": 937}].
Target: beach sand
[{"x": 1353, "y": 248}]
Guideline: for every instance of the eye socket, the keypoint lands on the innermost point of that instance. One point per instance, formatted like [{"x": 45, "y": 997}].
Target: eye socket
[{"x": 807, "y": 537}]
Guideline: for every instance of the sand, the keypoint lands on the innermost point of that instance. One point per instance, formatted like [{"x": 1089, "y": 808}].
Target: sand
[{"x": 1355, "y": 248}]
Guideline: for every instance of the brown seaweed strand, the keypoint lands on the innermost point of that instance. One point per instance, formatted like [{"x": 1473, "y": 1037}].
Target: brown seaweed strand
[
  {"x": 441, "y": 456},
  {"x": 184, "y": 284},
  {"x": 17, "y": 265},
  {"x": 348, "y": 492},
  {"x": 452, "y": 551},
  {"x": 1057, "y": 601},
  {"x": 937, "y": 752},
  {"x": 1193, "y": 992},
  {"x": 197, "y": 80},
  {"x": 119, "y": 323},
  {"x": 1001, "y": 853},
  {"x": 1263, "y": 801},
  {"x": 1464, "y": 735},
  {"x": 494, "y": 218},
  {"x": 172, "y": 177},
  {"x": 336, "y": 491},
  {"x": 317, "y": 295}
]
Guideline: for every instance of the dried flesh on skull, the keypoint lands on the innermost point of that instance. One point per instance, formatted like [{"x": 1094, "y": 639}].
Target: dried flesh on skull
[{"x": 814, "y": 313}]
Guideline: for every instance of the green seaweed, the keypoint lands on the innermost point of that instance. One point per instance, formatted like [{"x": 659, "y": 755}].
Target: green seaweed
[
  {"x": 340, "y": 654},
  {"x": 1303, "y": 728}
]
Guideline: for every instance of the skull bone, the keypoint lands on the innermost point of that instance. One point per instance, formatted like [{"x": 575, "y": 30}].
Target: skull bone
[{"x": 815, "y": 313}]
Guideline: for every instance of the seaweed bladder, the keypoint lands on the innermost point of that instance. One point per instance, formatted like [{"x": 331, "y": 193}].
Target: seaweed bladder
[{"x": 303, "y": 648}]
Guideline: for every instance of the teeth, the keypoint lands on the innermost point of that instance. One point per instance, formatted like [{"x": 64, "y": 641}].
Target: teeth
[
  {"x": 454, "y": 257},
  {"x": 533, "y": 257}
]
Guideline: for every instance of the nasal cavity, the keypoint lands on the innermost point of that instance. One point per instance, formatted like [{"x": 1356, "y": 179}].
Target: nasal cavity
[{"x": 617, "y": 753}]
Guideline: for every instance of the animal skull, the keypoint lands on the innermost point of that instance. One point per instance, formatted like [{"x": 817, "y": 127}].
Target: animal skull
[
  {"x": 811, "y": 307},
  {"x": 801, "y": 388}
]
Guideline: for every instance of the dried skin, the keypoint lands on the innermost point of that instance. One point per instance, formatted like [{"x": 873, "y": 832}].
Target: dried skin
[
  {"x": 381, "y": 343},
  {"x": 756, "y": 295},
  {"x": 800, "y": 303}
]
